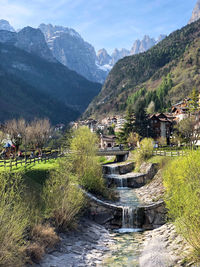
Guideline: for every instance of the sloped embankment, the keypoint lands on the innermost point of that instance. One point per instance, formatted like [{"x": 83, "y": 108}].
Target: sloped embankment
[{"x": 162, "y": 246}]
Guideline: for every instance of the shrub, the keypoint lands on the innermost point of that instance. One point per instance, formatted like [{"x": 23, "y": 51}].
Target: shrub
[
  {"x": 42, "y": 237},
  {"x": 144, "y": 152},
  {"x": 13, "y": 220},
  {"x": 182, "y": 183},
  {"x": 62, "y": 197},
  {"x": 85, "y": 163}
]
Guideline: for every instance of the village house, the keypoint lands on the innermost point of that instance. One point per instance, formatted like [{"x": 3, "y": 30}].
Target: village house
[
  {"x": 161, "y": 124},
  {"x": 180, "y": 110},
  {"x": 107, "y": 141}
]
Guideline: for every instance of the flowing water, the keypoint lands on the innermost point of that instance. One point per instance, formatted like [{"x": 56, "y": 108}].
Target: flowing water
[
  {"x": 126, "y": 248},
  {"x": 125, "y": 251}
]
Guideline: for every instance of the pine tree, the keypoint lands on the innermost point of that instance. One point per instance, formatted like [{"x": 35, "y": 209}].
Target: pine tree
[
  {"x": 141, "y": 123},
  {"x": 128, "y": 127},
  {"x": 194, "y": 102}
]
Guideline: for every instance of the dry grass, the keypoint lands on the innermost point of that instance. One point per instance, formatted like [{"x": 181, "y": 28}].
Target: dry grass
[
  {"x": 42, "y": 237},
  {"x": 35, "y": 252}
]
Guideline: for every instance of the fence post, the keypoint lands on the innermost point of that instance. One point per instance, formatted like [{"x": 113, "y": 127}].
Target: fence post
[{"x": 171, "y": 154}]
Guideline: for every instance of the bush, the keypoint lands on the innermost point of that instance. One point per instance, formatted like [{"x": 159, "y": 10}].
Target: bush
[
  {"x": 13, "y": 220},
  {"x": 85, "y": 163},
  {"x": 62, "y": 197},
  {"x": 144, "y": 152},
  {"x": 42, "y": 237},
  {"x": 182, "y": 183}
]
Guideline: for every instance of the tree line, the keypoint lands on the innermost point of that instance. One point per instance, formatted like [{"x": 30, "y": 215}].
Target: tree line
[{"x": 33, "y": 134}]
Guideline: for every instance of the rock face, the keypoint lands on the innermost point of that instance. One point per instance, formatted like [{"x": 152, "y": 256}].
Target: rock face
[
  {"x": 33, "y": 41},
  {"x": 103, "y": 57},
  {"x": 139, "y": 46},
  {"x": 195, "y": 13},
  {"x": 145, "y": 44},
  {"x": 8, "y": 37},
  {"x": 118, "y": 54},
  {"x": 69, "y": 48},
  {"x": 5, "y": 25},
  {"x": 29, "y": 39}
]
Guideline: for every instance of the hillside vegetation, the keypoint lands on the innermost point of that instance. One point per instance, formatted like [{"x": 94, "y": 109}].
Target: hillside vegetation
[
  {"x": 177, "y": 56},
  {"x": 31, "y": 86}
]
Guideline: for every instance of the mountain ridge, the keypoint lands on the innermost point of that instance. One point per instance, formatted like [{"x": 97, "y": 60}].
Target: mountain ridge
[
  {"x": 146, "y": 70},
  {"x": 195, "y": 13}
]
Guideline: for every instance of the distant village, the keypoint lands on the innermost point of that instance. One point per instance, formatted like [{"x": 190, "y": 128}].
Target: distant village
[{"x": 160, "y": 123}]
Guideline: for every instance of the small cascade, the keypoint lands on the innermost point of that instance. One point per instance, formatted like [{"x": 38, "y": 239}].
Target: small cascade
[
  {"x": 121, "y": 182},
  {"x": 127, "y": 217},
  {"x": 114, "y": 170}
]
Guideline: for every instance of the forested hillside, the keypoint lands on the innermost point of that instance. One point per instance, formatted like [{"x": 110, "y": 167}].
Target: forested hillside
[
  {"x": 31, "y": 86},
  {"x": 164, "y": 74}
]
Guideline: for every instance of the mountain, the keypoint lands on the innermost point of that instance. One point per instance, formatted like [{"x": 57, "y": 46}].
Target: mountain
[
  {"x": 33, "y": 83},
  {"x": 33, "y": 41},
  {"x": 143, "y": 45},
  {"x": 105, "y": 61},
  {"x": 195, "y": 13},
  {"x": 118, "y": 54},
  {"x": 166, "y": 73},
  {"x": 29, "y": 39},
  {"x": 103, "y": 57},
  {"x": 21, "y": 100},
  {"x": 5, "y": 25},
  {"x": 69, "y": 48}
]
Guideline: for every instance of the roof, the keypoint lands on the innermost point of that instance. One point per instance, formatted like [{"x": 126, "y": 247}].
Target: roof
[{"x": 108, "y": 137}]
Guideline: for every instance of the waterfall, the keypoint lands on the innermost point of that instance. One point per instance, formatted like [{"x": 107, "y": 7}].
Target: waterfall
[
  {"x": 121, "y": 182},
  {"x": 127, "y": 217},
  {"x": 114, "y": 169}
]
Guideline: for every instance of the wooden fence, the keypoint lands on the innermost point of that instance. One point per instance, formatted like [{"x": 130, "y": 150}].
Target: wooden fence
[
  {"x": 10, "y": 163},
  {"x": 169, "y": 153}
]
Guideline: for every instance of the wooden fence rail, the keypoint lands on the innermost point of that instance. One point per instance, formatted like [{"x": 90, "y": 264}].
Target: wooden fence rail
[
  {"x": 27, "y": 161},
  {"x": 169, "y": 153}
]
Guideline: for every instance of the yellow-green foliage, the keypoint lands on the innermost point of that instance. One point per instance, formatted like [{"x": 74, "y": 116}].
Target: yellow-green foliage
[
  {"x": 182, "y": 183},
  {"x": 62, "y": 196},
  {"x": 144, "y": 152},
  {"x": 13, "y": 220},
  {"x": 85, "y": 163}
]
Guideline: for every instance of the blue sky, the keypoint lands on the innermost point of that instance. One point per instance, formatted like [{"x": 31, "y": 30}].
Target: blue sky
[{"x": 103, "y": 23}]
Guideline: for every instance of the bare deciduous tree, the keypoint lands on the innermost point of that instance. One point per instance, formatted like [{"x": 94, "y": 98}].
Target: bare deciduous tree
[
  {"x": 35, "y": 133},
  {"x": 39, "y": 132},
  {"x": 16, "y": 130}
]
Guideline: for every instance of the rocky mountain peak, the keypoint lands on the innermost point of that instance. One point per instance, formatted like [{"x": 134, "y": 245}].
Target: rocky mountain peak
[
  {"x": 195, "y": 13},
  {"x": 118, "y": 54},
  {"x": 33, "y": 41},
  {"x": 103, "y": 57},
  {"x": 5, "y": 25},
  {"x": 69, "y": 48},
  {"x": 143, "y": 45},
  {"x": 51, "y": 31}
]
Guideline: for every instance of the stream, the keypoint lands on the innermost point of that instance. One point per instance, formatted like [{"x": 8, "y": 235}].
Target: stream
[
  {"x": 125, "y": 249},
  {"x": 93, "y": 245}
]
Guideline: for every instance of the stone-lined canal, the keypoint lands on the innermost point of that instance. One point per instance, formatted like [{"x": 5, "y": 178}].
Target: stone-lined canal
[
  {"x": 92, "y": 244},
  {"x": 125, "y": 249}
]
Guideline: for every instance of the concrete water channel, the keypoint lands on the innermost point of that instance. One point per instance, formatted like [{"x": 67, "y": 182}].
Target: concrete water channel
[{"x": 113, "y": 237}]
